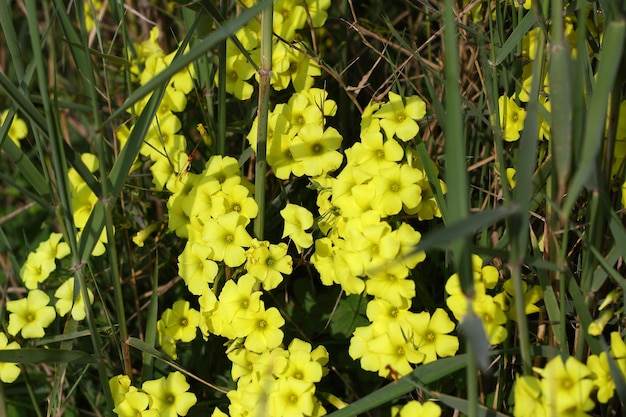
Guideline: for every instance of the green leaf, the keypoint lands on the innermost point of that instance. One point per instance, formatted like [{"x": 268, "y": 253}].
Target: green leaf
[
  {"x": 349, "y": 315},
  {"x": 23, "y": 163},
  {"x": 610, "y": 59},
  {"x": 423, "y": 375},
  {"x": 522, "y": 28},
  {"x": 463, "y": 405},
  {"x": 37, "y": 355},
  {"x": 442, "y": 238}
]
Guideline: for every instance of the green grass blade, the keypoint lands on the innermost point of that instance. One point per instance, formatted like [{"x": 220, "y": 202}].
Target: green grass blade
[
  {"x": 23, "y": 163},
  {"x": 433, "y": 180},
  {"x": 11, "y": 39},
  {"x": 41, "y": 355},
  {"x": 522, "y": 195},
  {"x": 455, "y": 148},
  {"x": 91, "y": 232},
  {"x": 25, "y": 106},
  {"x": 423, "y": 374},
  {"x": 515, "y": 38},
  {"x": 145, "y": 348},
  {"x": 610, "y": 59},
  {"x": 560, "y": 96},
  {"x": 443, "y": 238},
  {"x": 462, "y": 405},
  {"x": 151, "y": 324}
]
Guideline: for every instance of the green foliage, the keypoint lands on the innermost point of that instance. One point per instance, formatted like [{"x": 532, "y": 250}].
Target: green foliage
[{"x": 306, "y": 207}]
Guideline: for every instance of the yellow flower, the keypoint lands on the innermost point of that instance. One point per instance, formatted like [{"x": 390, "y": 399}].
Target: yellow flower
[
  {"x": 566, "y": 386},
  {"x": 316, "y": 150},
  {"x": 267, "y": 262},
  {"x": 511, "y": 118},
  {"x": 67, "y": 301},
  {"x": 397, "y": 186},
  {"x": 239, "y": 303},
  {"x": 181, "y": 322},
  {"x": 37, "y": 269},
  {"x": 396, "y": 352},
  {"x": 416, "y": 409},
  {"x": 30, "y": 315},
  {"x": 300, "y": 71},
  {"x": 238, "y": 71},
  {"x": 510, "y": 177},
  {"x": 227, "y": 236},
  {"x": 8, "y": 371},
  {"x": 602, "y": 378},
  {"x": 266, "y": 334},
  {"x": 169, "y": 396},
  {"x": 195, "y": 267},
  {"x": 292, "y": 397},
  {"x": 528, "y": 400},
  {"x": 297, "y": 220},
  {"x": 18, "y": 129},
  {"x": 372, "y": 153},
  {"x": 398, "y": 116},
  {"x": 431, "y": 335},
  {"x": 289, "y": 16}
]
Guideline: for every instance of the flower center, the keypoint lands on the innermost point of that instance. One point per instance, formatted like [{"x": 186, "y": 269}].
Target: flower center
[
  {"x": 184, "y": 322},
  {"x": 234, "y": 76},
  {"x": 395, "y": 188},
  {"x": 293, "y": 398},
  {"x": 430, "y": 336},
  {"x": 262, "y": 324},
  {"x": 230, "y": 238},
  {"x": 171, "y": 399}
]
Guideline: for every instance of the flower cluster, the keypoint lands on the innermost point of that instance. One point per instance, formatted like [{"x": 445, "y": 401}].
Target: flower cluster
[
  {"x": 494, "y": 310},
  {"x": 163, "y": 397},
  {"x": 277, "y": 381},
  {"x": 398, "y": 338},
  {"x": 164, "y": 145},
  {"x": 41, "y": 262},
  {"x": 563, "y": 388},
  {"x": 212, "y": 210},
  {"x": 291, "y": 63}
]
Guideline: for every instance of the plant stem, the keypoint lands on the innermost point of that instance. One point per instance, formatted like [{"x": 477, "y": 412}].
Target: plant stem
[
  {"x": 221, "y": 92},
  {"x": 265, "y": 75}
]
